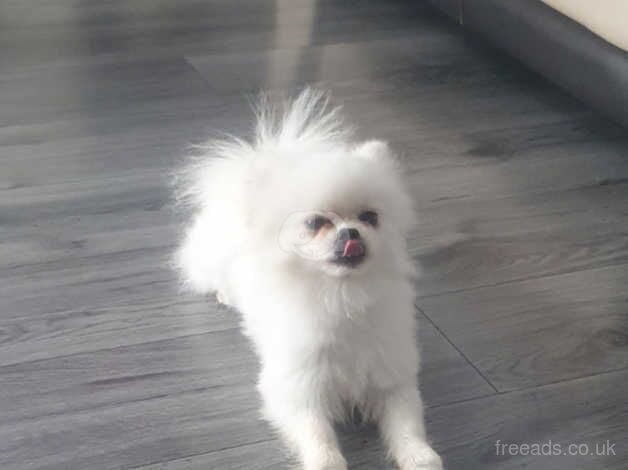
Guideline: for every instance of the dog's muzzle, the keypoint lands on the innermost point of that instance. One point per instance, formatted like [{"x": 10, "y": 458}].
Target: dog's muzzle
[{"x": 349, "y": 250}]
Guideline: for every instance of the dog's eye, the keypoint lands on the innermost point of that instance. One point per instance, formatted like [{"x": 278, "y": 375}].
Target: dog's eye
[
  {"x": 369, "y": 217},
  {"x": 315, "y": 222}
]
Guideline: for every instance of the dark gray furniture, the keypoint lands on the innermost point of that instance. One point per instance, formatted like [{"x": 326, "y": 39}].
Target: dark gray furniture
[{"x": 566, "y": 52}]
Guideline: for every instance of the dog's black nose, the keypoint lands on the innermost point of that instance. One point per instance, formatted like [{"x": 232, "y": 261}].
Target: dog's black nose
[
  {"x": 345, "y": 234},
  {"x": 349, "y": 249}
]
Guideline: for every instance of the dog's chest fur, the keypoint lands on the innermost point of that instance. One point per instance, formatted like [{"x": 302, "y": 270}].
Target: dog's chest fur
[{"x": 347, "y": 339}]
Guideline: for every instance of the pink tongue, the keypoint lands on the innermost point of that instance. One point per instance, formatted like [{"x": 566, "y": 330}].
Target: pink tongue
[{"x": 353, "y": 248}]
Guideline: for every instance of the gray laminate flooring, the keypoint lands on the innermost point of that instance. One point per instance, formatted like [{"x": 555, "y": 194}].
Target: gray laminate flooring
[{"x": 521, "y": 190}]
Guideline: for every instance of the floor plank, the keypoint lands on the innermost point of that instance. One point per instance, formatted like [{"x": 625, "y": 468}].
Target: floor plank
[
  {"x": 465, "y": 243},
  {"x": 144, "y": 28},
  {"x": 543, "y": 330},
  {"x": 71, "y": 90}
]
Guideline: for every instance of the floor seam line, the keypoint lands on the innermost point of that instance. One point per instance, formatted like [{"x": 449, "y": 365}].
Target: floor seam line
[
  {"x": 514, "y": 281},
  {"x": 139, "y": 467},
  {"x": 468, "y": 361},
  {"x": 63, "y": 356}
]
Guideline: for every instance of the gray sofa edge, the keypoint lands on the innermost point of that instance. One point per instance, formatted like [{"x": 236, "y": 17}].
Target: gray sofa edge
[{"x": 567, "y": 53}]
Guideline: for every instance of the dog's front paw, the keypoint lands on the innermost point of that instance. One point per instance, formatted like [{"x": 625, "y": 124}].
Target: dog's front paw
[
  {"x": 326, "y": 459},
  {"x": 420, "y": 456}
]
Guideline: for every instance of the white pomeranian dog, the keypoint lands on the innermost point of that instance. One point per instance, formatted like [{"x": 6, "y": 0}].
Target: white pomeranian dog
[{"x": 304, "y": 232}]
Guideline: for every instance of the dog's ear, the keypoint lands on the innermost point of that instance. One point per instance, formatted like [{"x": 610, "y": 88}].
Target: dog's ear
[{"x": 374, "y": 150}]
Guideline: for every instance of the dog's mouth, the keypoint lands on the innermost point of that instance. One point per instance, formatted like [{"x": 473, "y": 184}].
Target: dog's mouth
[{"x": 351, "y": 254}]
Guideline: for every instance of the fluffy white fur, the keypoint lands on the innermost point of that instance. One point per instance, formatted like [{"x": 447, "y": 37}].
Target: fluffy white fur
[{"x": 330, "y": 337}]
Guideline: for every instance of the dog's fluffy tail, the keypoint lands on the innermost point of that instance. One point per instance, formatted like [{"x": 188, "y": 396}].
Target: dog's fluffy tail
[{"x": 214, "y": 185}]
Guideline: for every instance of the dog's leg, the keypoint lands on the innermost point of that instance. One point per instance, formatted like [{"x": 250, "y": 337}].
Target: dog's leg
[
  {"x": 310, "y": 434},
  {"x": 317, "y": 444},
  {"x": 401, "y": 425}
]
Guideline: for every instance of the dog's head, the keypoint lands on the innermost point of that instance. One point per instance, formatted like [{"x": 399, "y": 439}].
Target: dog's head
[
  {"x": 339, "y": 211},
  {"x": 302, "y": 197}
]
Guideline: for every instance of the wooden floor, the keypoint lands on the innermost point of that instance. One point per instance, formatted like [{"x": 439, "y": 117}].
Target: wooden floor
[{"x": 522, "y": 193}]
